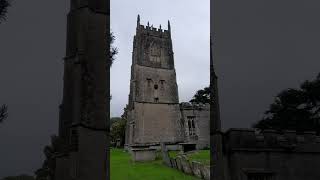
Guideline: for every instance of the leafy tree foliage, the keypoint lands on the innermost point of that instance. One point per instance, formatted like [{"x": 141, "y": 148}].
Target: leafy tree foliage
[
  {"x": 4, "y": 4},
  {"x": 3, "y": 112},
  {"x": 113, "y": 50},
  {"x": 114, "y": 119},
  {"x": 48, "y": 166},
  {"x": 202, "y": 96},
  {"x": 295, "y": 109},
  {"x": 118, "y": 129}
]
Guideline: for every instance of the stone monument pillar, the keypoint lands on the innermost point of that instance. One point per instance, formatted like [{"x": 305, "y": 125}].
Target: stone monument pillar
[
  {"x": 83, "y": 112},
  {"x": 217, "y": 162}
]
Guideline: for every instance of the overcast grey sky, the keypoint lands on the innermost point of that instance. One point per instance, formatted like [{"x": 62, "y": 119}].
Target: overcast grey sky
[
  {"x": 261, "y": 48},
  {"x": 32, "y": 46},
  {"x": 190, "y": 28}
]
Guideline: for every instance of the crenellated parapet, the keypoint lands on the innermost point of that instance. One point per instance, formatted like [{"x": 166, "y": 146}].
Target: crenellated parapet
[
  {"x": 152, "y": 31},
  {"x": 271, "y": 140},
  {"x": 194, "y": 106},
  {"x": 94, "y": 5}
]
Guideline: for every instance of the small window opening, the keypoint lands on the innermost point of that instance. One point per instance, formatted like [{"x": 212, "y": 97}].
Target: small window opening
[{"x": 156, "y": 86}]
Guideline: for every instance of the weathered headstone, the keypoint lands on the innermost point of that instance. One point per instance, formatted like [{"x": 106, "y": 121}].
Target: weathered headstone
[
  {"x": 179, "y": 166},
  {"x": 173, "y": 163},
  {"x": 205, "y": 171},
  {"x": 196, "y": 169},
  {"x": 165, "y": 155},
  {"x": 186, "y": 165}
]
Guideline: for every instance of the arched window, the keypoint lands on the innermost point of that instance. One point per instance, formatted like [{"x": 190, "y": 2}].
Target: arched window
[
  {"x": 149, "y": 82},
  {"x": 191, "y": 125}
]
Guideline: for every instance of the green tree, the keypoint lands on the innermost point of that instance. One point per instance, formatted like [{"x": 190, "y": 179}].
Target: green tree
[
  {"x": 113, "y": 50},
  {"x": 114, "y": 119},
  {"x": 48, "y": 166},
  {"x": 294, "y": 109},
  {"x": 4, "y": 5},
  {"x": 3, "y": 112},
  {"x": 202, "y": 96},
  {"x": 118, "y": 129}
]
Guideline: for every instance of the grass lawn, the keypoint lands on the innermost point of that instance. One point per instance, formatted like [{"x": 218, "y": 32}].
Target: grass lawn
[
  {"x": 122, "y": 168},
  {"x": 202, "y": 156}
]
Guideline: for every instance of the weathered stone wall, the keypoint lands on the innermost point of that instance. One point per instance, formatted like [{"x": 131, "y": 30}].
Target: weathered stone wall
[
  {"x": 283, "y": 165},
  {"x": 89, "y": 160},
  {"x": 151, "y": 83},
  {"x": 157, "y": 122},
  {"x": 153, "y": 48},
  {"x": 200, "y": 115},
  {"x": 153, "y": 108},
  {"x": 285, "y": 156},
  {"x": 62, "y": 169},
  {"x": 83, "y": 112},
  {"x": 85, "y": 75}
]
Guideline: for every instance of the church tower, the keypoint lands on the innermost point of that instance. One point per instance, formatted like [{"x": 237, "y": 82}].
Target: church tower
[
  {"x": 153, "y": 110},
  {"x": 83, "y": 113}
]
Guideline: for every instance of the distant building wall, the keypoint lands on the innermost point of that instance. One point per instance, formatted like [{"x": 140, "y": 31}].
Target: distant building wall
[
  {"x": 271, "y": 155},
  {"x": 196, "y": 118}
]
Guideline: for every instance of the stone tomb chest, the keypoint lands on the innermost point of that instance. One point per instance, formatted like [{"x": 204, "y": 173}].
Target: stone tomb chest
[{"x": 141, "y": 154}]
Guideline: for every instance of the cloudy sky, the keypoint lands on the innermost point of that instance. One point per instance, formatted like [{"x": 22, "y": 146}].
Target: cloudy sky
[
  {"x": 190, "y": 28},
  {"x": 261, "y": 48},
  {"x": 32, "y": 46}
]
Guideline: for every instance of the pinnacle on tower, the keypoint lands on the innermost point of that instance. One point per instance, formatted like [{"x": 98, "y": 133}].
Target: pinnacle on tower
[
  {"x": 138, "y": 20},
  {"x": 169, "y": 27}
]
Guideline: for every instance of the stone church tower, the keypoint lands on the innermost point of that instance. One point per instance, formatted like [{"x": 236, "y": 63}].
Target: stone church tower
[
  {"x": 83, "y": 113},
  {"x": 153, "y": 110}
]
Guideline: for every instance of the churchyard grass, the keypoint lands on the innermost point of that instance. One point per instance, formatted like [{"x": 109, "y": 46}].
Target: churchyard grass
[
  {"x": 202, "y": 156},
  {"x": 122, "y": 168}
]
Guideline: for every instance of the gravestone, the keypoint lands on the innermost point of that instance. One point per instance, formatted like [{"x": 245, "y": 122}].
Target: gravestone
[{"x": 165, "y": 155}]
